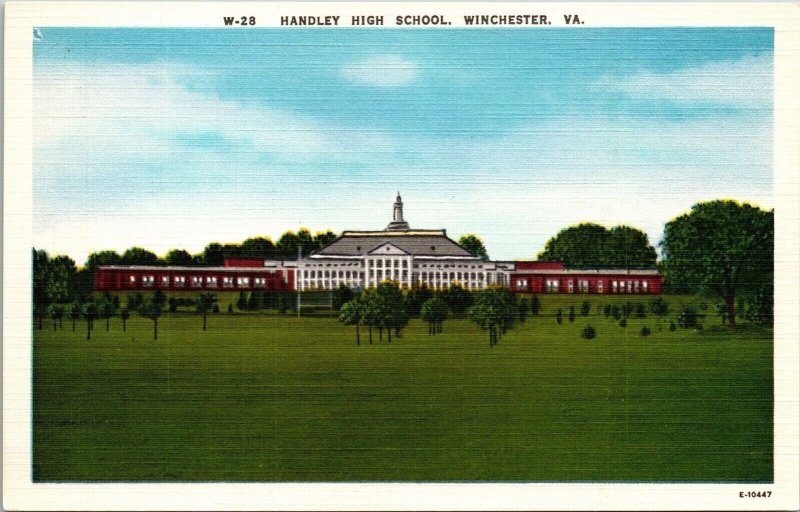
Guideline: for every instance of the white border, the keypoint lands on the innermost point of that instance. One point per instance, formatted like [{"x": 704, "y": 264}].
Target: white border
[{"x": 20, "y": 493}]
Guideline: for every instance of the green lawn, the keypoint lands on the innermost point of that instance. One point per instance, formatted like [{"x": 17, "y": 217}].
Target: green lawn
[{"x": 270, "y": 398}]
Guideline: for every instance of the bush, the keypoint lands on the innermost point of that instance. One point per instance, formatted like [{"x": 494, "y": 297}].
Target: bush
[
  {"x": 659, "y": 307},
  {"x": 627, "y": 307},
  {"x": 623, "y": 322},
  {"x": 703, "y": 306},
  {"x": 559, "y": 316},
  {"x": 522, "y": 308},
  {"x": 645, "y": 331},
  {"x": 640, "y": 313},
  {"x": 588, "y": 333},
  {"x": 688, "y": 318},
  {"x": 672, "y": 326},
  {"x": 230, "y": 309},
  {"x": 607, "y": 310},
  {"x": 571, "y": 314},
  {"x": 616, "y": 314},
  {"x": 585, "y": 308},
  {"x": 215, "y": 309}
]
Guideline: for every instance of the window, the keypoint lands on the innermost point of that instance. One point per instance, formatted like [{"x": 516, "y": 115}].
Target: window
[
  {"x": 522, "y": 284},
  {"x": 164, "y": 280},
  {"x": 260, "y": 282},
  {"x": 600, "y": 286},
  {"x": 197, "y": 281},
  {"x": 133, "y": 279},
  {"x": 644, "y": 286},
  {"x": 583, "y": 286},
  {"x": 242, "y": 281},
  {"x": 569, "y": 286},
  {"x": 179, "y": 280},
  {"x": 227, "y": 282},
  {"x": 613, "y": 286},
  {"x": 211, "y": 281},
  {"x": 551, "y": 285},
  {"x": 636, "y": 286},
  {"x": 148, "y": 280}
]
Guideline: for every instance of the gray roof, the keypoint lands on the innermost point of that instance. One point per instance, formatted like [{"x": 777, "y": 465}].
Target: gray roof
[{"x": 414, "y": 242}]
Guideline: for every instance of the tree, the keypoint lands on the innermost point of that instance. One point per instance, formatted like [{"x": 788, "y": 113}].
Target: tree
[
  {"x": 89, "y": 313},
  {"x": 659, "y": 307},
  {"x": 160, "y": 298},
  {"x": 206, "y": 303},
  {"x": 571, "y": 313},
  {"x": 536, "y": 305},
  {"x": 416, "y": 298},
  {"x": 586, "y": 307},
  {"x": 522, "y": 307},
  {"x": 390, "y": 306},
  {"x": 106, "y": 309},
  {"x": 40, "y": 276},
  {"x": 592, "y": 245},
  {"x": 474, "y": 245},
  {"x": 559, "y": 316},
  {"x": 179, "y": 257},
  {"x": 139, "y": 256},
  {"x": 212, "y": 254},
  {"x": 434, "y": 311},
  {"x": 494, "y": 311},
  {"x": 759, "y": 306},
  {"x": 56, "y": 313},
  {"x": 458, "y": 299},
  {"x": 588, "y": 333},
  {"x": 628, "y": 247},
  {"x": 720, "y": 246},
  {"x": 73, "y": 311},
  {"x": 124, "y": 315},
  {"x": 152, "y": 310},
  {"x": 350, "y": 314},
  {"x": 370, "y": 310},
  {"x": 241, "y": 302},
  {"x": 342, "y": 295}
]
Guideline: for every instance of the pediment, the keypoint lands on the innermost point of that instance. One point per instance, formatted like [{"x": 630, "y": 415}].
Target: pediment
[{"x": 387, "y": 249}]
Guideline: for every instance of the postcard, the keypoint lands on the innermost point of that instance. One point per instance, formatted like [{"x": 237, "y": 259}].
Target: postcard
[{"x": 441, "y": 256}]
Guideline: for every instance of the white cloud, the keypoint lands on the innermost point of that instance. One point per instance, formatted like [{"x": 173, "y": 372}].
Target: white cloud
[
  {"x": 744, "y": 82},
  {"x": 381, "y": 71}
]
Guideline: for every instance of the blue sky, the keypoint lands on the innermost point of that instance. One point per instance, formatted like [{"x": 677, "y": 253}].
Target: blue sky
[{"x": 175, "y": 138}]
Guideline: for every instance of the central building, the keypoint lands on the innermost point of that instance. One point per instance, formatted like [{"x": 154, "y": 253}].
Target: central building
[{"x": 410, "y": 257}]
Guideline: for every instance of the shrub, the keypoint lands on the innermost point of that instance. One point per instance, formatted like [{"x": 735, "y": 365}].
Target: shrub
[
  {"x": 626, "y": 309},
  {"x": 659, "y": 307},
  {"x": 230, "y": 309},
  {"x": 616, "y": 313},
  {"x": 672, "y": 326},
  {"x": 688, "y": 318},
  {"x": 703, "y": 306},
  {"x": 640, "y": 313},
  {"x": 623, "y": 322},
  {"x": 645, "y": 331},
  {"x": 215, "y": 309},
  {"x": 607, "y": 310},
  {"x": 559, "y": 316},
  {"x": 585, "y": 308},
  {"x": 571, "y": 314},
  {"x": 588, "y": 333},
  {"x": 522, "y": 308}
]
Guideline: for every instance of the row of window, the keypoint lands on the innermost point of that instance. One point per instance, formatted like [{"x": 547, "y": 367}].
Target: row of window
[
  {"x": 198, "y": 281},
  {"x": 582, "y": 285}
]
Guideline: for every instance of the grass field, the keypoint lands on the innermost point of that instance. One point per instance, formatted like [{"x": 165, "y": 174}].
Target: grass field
[{"x": 271, "y": 398}]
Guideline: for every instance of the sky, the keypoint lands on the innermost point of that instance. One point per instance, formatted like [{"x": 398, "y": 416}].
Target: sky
[{"x": 166, "y": 138}]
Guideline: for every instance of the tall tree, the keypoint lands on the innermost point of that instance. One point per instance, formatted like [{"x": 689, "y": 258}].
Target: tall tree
[
  {"x": 721, "y": 246},
  {"x": 391, "y": 306},
  {"x": 474, "y": 245},
  {"x": 178, "y": 257},
  {"x": 350, "y": 314},
  {"x": 494, "y": 311},
  {"x": 341, "y": 295},
  {"x": 434, "y": 311},
  {"x": 40, "y": 281},
  {"x": 124, "y": 315},
  {"x": 139, "y": 256},
  {"x": 152, "y": 310},
  {"x": 212, "y": 254},
  {"x": 107, "y": 310},
  {"x": 205, "y": 303},
  {"x": 89, "y": 313},
  {"x": 96, "y": 259},
  {"x": 592, "y": 245}
]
